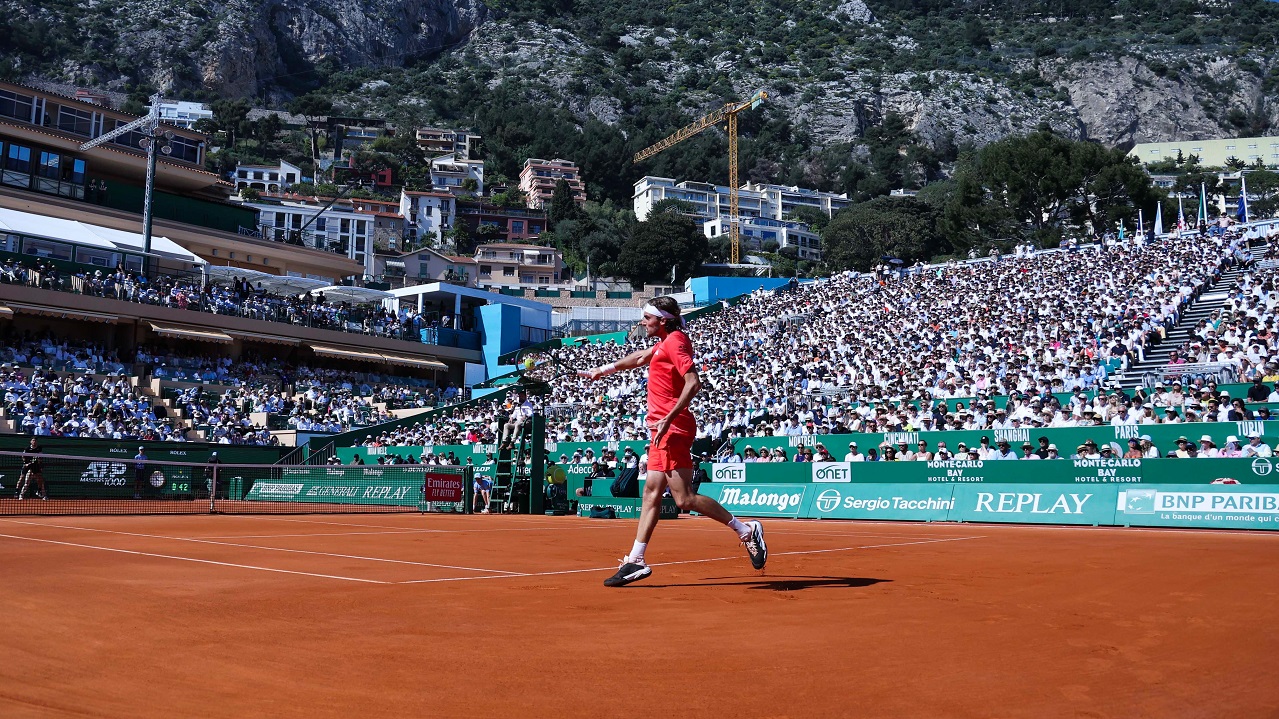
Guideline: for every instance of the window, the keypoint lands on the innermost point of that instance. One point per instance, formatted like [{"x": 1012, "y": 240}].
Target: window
[
  {"x": 486, "y": 270},
  {"x": 517, "y": 227},
  {"x": 96, "y": 257},
  {"x": 526, "y": 279},
  {"x": 184, "y": 148},
  {"x": 508, "y": 271},
  {"x": 345, "y": 226},
  {"x": 46, "y": 248},
  {"x": 1253, "y": 146},
  {"x": 320, "y": 224},
  {"x": 423, "y": 268},
  {"x": 10, "y": 243},
  {"x": 16, "y": 106},
  {"x": 49, "y": 165},
  {"x": 79, "y": 122},
  {"x": 18, "y": 159},
  {"x": 543, "y": 280},
  {"x": 1229, "y": 147}
]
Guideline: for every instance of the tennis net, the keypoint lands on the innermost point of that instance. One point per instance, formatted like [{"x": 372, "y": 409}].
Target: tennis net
[{"x": 46, "y": 484}]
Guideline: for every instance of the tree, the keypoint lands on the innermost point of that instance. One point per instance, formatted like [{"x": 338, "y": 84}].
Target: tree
[
  {"x": 231, "y": 117},
  {"x": 1263, "y": 189},
  {"x": 312, "y": 107},
  {"x": 901, "y": 227},
  {"x": 663, "y": 240},
  {"x": 563, "y": 207}
]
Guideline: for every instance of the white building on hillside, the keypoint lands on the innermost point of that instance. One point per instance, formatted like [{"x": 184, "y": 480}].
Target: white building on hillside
[
  {"x": 777, "y": 202},
  {"x": 756, "y": 231},
  {"x": 267, "y": 178},
  {"x": 449, "y": 173},
  {"x": 427, "y": 215},
  {"x": 184, "y": 114},
  {"x": 341, "y": 228}
]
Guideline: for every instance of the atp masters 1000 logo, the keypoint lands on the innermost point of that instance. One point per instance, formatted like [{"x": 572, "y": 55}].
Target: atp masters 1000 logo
[{"x": 108, "y": 474}]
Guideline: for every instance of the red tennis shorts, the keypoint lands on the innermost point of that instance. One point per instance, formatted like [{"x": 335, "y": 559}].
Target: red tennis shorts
[{"x": 675, "y": 451}]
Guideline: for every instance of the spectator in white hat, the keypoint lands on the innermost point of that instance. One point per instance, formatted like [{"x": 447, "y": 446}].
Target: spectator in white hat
[
  {"x": 1255, "y": 447},
  {"x": 1207, "y": 448},
  {"x": 853, "y": 455},
  {"x": 1232, "y": 449}
]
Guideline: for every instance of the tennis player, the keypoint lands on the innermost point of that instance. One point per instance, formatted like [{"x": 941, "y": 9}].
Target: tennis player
[{"x": 672, "y": 383}]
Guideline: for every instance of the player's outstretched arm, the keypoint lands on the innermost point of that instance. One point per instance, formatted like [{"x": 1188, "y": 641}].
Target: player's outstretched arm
[{"x": 630, "y": 361}]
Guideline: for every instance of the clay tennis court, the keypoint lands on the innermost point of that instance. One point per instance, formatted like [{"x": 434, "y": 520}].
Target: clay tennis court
[{"x": 452, "y": 616}]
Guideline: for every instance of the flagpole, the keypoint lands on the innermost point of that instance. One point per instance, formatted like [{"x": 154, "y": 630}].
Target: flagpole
[
  {"x": 1203, "y": 203},
  {"x": 1243, "y": 195},
  {"x": 1141, "y": 223},
  {"x": 1181, "y": 214}
]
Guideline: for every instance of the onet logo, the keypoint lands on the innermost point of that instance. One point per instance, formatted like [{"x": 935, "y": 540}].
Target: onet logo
[
  {"x": 1262, "y": 466},
  {"x": 827, "y": 501}
]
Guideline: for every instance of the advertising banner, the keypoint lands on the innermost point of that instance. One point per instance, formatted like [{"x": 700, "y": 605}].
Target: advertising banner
[
  {"x": 442, "y": 487},
  {"x": 760, "y": 500},
  {"x": 828, "y": 472},
  {"x": 1223, "y": 506},
  {"x": 350, "y": 485},
  {"x": 732, "y": 472},
  {"x": 625, "y": 508},
  {"x": 1035, "y": 503},
  {"x": 920, "y": 502}
]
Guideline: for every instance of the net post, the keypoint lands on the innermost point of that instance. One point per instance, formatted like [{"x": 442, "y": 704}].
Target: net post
[
  {"x": 468, "y": 490},
  {"x": 213, "y": 490},
  {"x": 537, "y": 468}
]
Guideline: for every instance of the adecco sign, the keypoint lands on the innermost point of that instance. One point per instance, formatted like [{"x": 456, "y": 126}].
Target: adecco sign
[
  {"x": 728, "y": 472},
  {"x": 826, "y": 472}
]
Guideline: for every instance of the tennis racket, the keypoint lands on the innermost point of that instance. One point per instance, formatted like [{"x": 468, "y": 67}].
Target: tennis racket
[{"x": 545, "y": 367}]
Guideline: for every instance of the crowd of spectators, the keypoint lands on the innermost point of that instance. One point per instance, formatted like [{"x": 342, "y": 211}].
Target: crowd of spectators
[
  {"x": 239, "y": 298},
  {"x": 922, "y": 349},
  {"x": 45, "y": 404}
]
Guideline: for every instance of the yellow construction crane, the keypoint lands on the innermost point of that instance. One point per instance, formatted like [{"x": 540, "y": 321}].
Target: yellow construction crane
[{"x": 728, "y": 112}]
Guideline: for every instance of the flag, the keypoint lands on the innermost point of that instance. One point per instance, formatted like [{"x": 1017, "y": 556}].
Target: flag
[
  {"x": 1242, "y": 213},
  {"x": 1203, "y": 205},
  {"x": 1141, "y": 223},
  {"x": 1159, "y": 219},
  {"x": 1121, "y": 229},
  {"x": 1181, "y": 214}
]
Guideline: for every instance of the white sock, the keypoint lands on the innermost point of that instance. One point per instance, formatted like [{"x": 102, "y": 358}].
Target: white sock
[
  {"x": 740, "y": 527},
  {"x": 637, "y": 552}
]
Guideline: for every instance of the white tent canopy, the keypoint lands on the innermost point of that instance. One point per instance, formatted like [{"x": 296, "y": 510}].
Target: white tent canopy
[
  {"x": 85, "y": 235},
  {"x": 226, "y": 274},
  {"x": 354, "y": 295},
  {"x": 290, "y": 285}
]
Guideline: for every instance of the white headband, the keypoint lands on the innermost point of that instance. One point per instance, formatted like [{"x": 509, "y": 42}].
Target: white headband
[{"x": 649, "y": 309}]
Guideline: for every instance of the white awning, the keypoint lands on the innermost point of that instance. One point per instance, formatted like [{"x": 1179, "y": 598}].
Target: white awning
[
  {"x": 423, "y": 362},
  {"x": 290, "y": 285},
  {"x": 395, "y": 264},
  {"x": 200, "y": 334},
  {"x": 86, "y": 235},
  {"x": 347, "y": 353},
  {"x": 63, "y": 312},
  {"x": 256, "y": 337}
]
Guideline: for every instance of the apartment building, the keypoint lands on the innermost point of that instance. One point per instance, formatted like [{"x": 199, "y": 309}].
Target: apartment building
[
  {"x": 450, "y": 173},
  {"x": 755, "y": 232},
  {"x": 710, "y": 201},
  {"x": 427, "y": 215},
  {"x": 267, "y": 178},
  {"x": 539, "y": 178},
  {"x": 437, "y": 141},
  {"x": 513, "y": 265},
  {"x": 493, "y": 222}
]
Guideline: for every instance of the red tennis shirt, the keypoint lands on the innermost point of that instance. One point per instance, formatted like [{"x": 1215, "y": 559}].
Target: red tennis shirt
[{"x": 672, "y": 359}]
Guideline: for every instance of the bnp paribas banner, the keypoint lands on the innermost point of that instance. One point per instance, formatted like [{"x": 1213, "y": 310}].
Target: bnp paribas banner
[{"x": 1223, "y": 506}]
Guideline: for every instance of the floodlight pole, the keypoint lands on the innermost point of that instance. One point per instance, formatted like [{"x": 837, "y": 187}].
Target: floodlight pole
[{"x": 149, "y": 125}]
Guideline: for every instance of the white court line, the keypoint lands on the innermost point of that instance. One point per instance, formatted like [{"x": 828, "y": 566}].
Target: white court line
[
  {"x": 404, "y": 531},
  {"x": 695, "y": 561},
  {"x": 192, "y": 559},
  {"x": 270, "y": 549}
]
